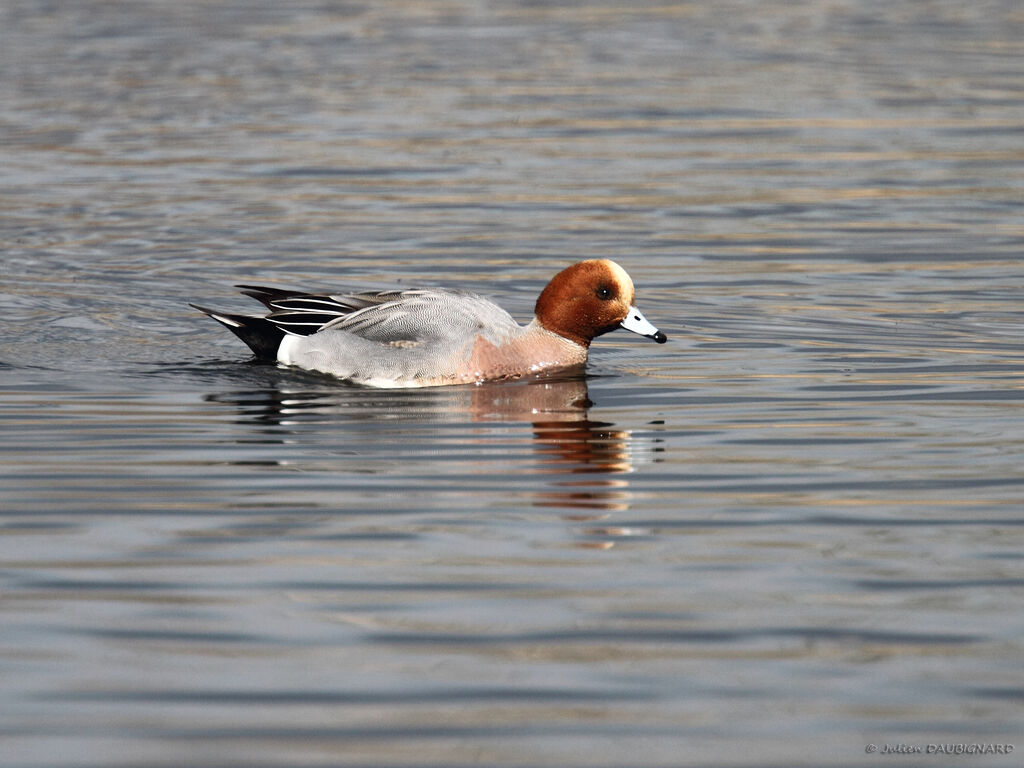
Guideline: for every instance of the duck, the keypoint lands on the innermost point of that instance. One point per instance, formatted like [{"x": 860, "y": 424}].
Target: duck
[{"x": 428, "y": 337}]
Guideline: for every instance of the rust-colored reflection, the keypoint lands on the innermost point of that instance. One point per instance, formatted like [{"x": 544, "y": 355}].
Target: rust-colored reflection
[
  {"x": 583, "y": 461},
  {"x": 592, "y": 457}
]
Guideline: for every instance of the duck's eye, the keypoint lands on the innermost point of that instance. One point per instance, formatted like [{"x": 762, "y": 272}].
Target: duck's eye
[{"x": 604, "y": 293}]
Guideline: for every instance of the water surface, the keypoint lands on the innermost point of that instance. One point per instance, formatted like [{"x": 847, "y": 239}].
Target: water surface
[{"x": 792, "y": 532}]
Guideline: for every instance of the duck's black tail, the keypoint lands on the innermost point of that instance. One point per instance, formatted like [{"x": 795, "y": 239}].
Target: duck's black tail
[{"x": 261, "y": 335}]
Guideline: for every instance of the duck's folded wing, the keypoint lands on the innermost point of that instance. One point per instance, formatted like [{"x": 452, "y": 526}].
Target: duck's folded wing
[
  {"x": 388, "y": 317},
  {"x": 304, "y": 314},
  {"x": 425, "y": 316}
]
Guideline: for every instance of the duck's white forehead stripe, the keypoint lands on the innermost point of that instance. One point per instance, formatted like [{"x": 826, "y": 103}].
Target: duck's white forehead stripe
[{"x": 620, "y": 276}]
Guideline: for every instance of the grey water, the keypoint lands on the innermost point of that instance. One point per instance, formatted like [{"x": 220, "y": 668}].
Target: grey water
[{"x": 793, "y": 535}]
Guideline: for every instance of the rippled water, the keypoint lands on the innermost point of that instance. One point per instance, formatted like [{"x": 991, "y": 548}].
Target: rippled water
[{"x": 792, "y": 532}]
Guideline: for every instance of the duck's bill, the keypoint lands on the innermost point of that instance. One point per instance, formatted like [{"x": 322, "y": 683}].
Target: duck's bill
[{"x": 637, "y": 323}]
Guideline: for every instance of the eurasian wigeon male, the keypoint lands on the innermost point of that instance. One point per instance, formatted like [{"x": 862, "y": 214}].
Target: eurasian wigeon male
[{"x": 435, "y": 336}]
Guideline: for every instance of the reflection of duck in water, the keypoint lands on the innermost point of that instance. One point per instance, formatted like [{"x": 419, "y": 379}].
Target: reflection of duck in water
[
  {"x": 579, "y": 464},
  {"x": 431, "y": 337}
]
